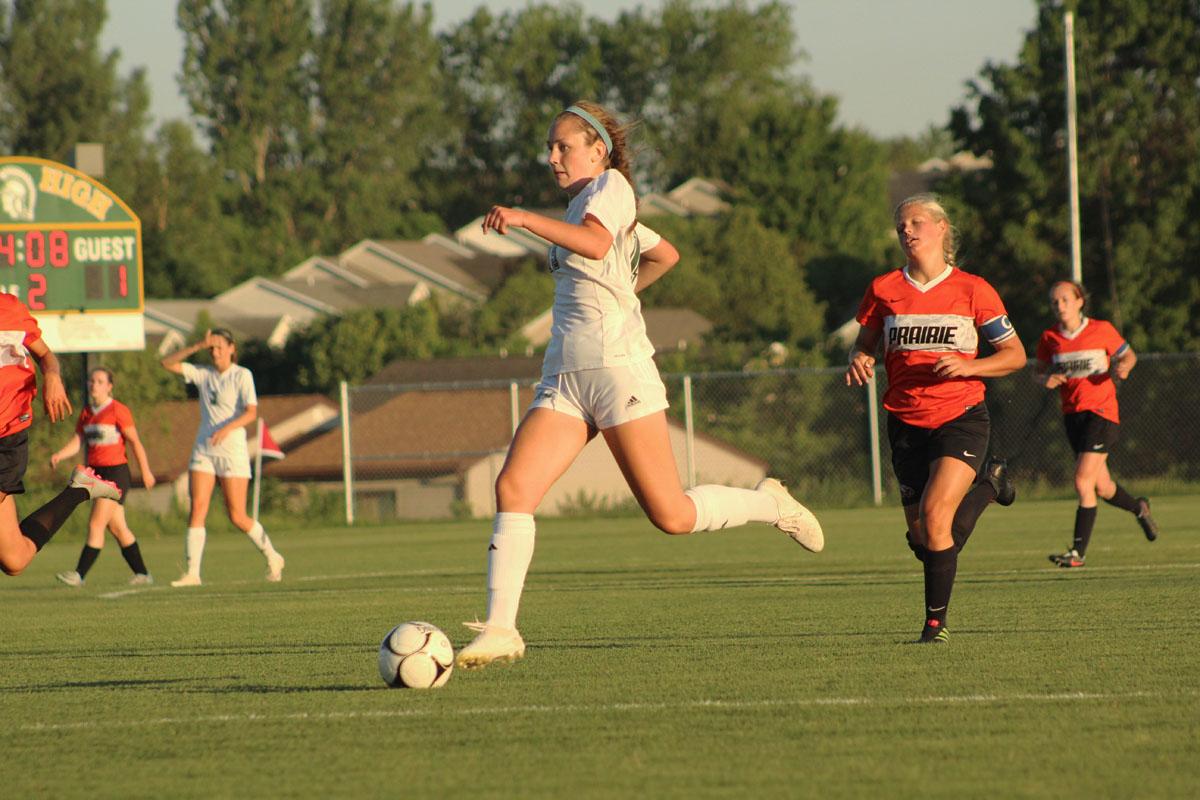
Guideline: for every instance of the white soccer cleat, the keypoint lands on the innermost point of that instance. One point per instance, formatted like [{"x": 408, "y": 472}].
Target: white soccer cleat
[
  {"x": 187, "y": 579},
  {"x": 275, "y": 568},
  {"x": 492, "y": 644},
  {"x": 84, "y": 478},
  {"x": 794, "y": 519},
  {"x": 71, "y": 578},
  {"x": 141, "y": 579}
]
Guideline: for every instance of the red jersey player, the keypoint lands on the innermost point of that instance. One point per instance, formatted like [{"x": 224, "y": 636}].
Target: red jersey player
[
  {"x": 105, "y": 425},
  {"x": 21, "y": 344},
  {"x": 929, "y": 316},
  {"x": 1080, "y": 357}
]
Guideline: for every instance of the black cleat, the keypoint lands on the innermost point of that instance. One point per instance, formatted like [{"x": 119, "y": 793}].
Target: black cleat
[
  {"x": 995, "y": 472},
  {"x": 934, "y": 632},
  {"x": 1149, "y": 526}
]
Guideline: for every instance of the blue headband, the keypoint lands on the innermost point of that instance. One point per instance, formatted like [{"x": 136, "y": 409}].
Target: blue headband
[{"x": 595, "y": 123}]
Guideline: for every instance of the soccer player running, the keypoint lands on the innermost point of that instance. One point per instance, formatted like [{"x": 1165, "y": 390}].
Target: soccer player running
[
  {"x": 928, "y": 315},
  {"x": 20, "y": 341},
  {"x": 228, "y": 403},
  {"x": 598, "y": 375},
  {"x": 1080, "y": 357},
  {"x": 106, "y": 424}
]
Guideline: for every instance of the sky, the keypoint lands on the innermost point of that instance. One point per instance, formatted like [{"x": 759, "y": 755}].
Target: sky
[{"x": 897, "y": 67}]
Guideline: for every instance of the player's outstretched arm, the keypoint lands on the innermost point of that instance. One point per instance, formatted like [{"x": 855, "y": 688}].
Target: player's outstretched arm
[
  {"x": 54, "y": 394},
  {"x": 589, "y": 239}
]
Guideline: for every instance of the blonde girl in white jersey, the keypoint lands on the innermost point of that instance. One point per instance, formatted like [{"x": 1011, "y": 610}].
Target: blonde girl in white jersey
[
  {"x": 228, "y": 403},
  {"x": 599, "y": 376}
]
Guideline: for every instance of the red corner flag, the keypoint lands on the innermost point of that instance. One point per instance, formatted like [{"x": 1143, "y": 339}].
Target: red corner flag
[{"x": 270, "y": 449}]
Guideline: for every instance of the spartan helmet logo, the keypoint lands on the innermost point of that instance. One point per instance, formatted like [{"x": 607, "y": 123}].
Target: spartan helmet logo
[{"x": 17, "y": 193}]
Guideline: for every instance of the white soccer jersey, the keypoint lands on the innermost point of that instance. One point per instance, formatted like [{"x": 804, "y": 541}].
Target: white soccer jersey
[
  {"x": 597, "y": 318},
  {"x": 223, "y": 396}
]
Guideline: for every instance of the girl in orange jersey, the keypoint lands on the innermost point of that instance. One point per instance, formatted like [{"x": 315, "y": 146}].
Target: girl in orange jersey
[
  {"x": 21, "y": 346},
  {"x": 1080, "y": 357},
  {"x": 105, "y": 426},
  {"x": 929, "y": 315}
]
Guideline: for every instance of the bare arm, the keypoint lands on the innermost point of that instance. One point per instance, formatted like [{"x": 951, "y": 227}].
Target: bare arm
[
  {"x": 862, "y": 357},
  {"x": 1043, "y": 377},
  {"x": 1124, "y": 364},
  {"x": 173, "y": 361},
  {"x": 590, "y": 239},
  {"x": 69, "y": 449},
  {"x": 139, "y": 452},
  {"x": 245, "y": 418},
  {"x": 656, "y": 262},
  {"x": 54, "y": 395},
  {"x": 1009, "y": 357}
]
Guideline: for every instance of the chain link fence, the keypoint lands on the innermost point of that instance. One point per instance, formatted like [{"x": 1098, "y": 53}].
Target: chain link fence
[{"x": 434, "y": 450}]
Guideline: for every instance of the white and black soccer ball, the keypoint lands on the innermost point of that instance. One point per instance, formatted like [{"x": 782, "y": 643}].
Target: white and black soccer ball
[{"x": 415, "y": 655}]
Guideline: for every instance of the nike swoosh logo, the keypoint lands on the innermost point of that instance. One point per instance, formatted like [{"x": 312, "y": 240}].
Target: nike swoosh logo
[{"x": 968, "y": 455}]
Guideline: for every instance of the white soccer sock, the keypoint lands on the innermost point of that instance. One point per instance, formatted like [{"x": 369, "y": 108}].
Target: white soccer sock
[
  {"x": 509, "y": 554},
  {"x": 193, "y": 549},
  {"x": 720, "y": 507},
  {"x": 261, "y": 540}
]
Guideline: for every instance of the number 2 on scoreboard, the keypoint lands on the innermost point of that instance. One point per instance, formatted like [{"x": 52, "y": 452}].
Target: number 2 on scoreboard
[{"x": 37, "y": 290}]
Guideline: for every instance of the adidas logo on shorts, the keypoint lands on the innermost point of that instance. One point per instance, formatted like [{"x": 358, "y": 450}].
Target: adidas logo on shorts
[{"x": 633, "y": 401}]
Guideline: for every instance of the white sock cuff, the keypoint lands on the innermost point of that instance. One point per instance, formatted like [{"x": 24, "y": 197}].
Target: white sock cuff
[
  {"x": 196, "y": 531},
  {"x": 509, "y": 523},
  {"x": 702, "y": 512}
]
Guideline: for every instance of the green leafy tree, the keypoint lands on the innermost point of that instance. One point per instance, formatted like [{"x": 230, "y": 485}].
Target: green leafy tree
[{"x": 1139, "y": 135}]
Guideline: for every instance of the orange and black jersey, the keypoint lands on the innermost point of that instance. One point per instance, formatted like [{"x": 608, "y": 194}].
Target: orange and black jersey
[{"x": 920, "y": 323}]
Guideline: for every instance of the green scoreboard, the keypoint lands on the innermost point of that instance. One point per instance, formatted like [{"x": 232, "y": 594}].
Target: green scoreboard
[{"x": 71, "y": 250}]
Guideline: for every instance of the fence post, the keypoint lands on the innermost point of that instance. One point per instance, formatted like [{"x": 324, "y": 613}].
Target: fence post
[
  {"x": 514, "y": 401},
  {"x": 689, "y": 431},
  {"x": 873, "y": 434},
  {"x": 347, "y": 469}
]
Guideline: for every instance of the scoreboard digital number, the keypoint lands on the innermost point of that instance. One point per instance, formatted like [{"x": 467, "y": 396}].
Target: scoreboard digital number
[{"x": 70, "y": 247}]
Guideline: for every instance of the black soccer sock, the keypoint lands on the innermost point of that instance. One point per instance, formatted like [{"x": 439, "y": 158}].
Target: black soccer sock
[
  {"x": 969, "y": 510},
  {"x": 133, "y": 557},
  {"x": 87, "y": 557},
  {"x": 1085, "y": 520},
  {"x": 940, "y": 568},
  {"x": 1123, "y": 500},
  {"x": 39, "y": 526}
]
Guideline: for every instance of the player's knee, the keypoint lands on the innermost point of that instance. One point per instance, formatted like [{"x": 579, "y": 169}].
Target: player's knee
[
  {"x": 672, "y": 523},
  {"x": 12, "y": 568},
  {"x": 511, "y": 490}
]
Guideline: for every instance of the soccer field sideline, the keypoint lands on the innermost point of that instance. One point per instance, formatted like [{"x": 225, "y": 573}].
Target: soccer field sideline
[{"x": 724, "y": 664}]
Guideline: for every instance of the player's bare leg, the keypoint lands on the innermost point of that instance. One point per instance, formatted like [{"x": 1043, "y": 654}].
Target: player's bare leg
[{"x": 545, "y": 445}]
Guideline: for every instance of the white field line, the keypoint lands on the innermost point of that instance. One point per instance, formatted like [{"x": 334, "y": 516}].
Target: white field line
[
  {"x": 628, "y": 582},
  {"x": 611, "y": 708}
]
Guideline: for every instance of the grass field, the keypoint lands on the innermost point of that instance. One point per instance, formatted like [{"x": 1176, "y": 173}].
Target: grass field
[{"x": 725, "y": 664}]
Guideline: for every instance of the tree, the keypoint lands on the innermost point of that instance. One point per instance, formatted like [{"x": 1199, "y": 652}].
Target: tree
[
  {"x": 318, "y": 115},
  {"x": 1139, "y": 133}
]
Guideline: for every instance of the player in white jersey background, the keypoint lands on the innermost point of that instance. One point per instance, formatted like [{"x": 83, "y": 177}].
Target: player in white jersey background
[
  {"x": 228, "y": 403},
  {"x": 598, "y": 376}
]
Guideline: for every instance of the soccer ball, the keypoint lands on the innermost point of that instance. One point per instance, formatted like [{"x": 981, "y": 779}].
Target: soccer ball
[{"x": 415, "y": 655}]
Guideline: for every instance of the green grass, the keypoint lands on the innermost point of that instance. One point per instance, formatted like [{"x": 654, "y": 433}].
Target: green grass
[{"x": 724, "y": 664}]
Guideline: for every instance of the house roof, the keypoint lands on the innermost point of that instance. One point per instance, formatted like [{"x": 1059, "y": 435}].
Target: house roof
[
  {"x": 346, "y": 297},
  {"x": 425, "y": 433},
  {"x": 452, "y": 370},
  {"x": 675, "y": 328}
]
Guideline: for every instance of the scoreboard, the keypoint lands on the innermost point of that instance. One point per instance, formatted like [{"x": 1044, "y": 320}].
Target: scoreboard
[{"x": 71, "y": 250}]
